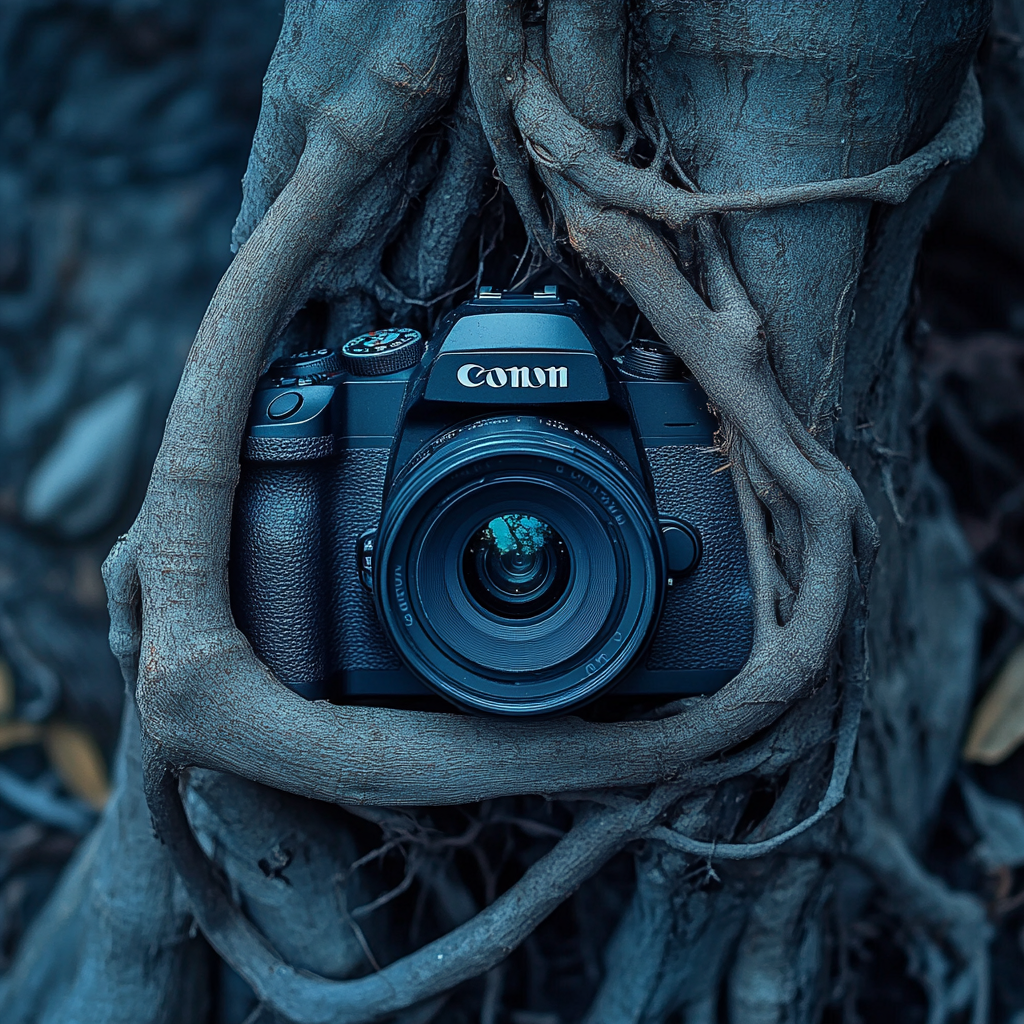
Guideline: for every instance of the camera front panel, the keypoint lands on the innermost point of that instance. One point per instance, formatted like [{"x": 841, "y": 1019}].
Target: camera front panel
[
  {"x": 706, "y": 627},
  {"x": 356, "y": 643}
]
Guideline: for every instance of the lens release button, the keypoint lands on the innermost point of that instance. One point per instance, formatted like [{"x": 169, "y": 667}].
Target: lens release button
[
  {"x": 285, "y": 405},
  {"x": 682, "y": 546}
]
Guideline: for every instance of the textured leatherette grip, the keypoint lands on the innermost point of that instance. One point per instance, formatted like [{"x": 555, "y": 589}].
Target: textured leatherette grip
[
  {"x": 354, "y": 491},
  {"x": 287, "y": 449},
  {"x": 707, "y": 622},
  {"x": 277, "y": 570}
]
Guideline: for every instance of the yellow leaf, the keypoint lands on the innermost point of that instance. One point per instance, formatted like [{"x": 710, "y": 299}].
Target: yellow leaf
[
  {"x": 78, "y": 763},
  {"x": 998, "y": 726},
  {"x": 6, "y": 691}
]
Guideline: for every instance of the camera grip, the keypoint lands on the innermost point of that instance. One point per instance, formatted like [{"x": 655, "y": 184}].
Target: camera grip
[{"x": 277, "y": 570}]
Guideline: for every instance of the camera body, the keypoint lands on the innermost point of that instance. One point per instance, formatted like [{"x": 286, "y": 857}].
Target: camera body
[{"x": 507, "y": 517}]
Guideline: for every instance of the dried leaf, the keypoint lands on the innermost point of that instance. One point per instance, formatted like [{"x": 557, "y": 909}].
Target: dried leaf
[
  {"x": 6, "y": 691},
  {"x": 1000, "y": 826},
  {"x": 998, "y": 726},
  {"x": 17, "y": 734},
  {"x": 78, "y": 763}
]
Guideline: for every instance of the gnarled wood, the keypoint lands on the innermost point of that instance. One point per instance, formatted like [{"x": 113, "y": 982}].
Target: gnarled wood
[{"x": 861, "y": 107}]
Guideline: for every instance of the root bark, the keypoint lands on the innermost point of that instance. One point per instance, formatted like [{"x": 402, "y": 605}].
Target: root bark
[{"x": 563, "y": 96}]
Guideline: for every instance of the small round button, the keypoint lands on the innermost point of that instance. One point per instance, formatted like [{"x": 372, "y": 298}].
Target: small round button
[
  {"x": 285, "y": 405},
  {"x": 682, "y": 546}
]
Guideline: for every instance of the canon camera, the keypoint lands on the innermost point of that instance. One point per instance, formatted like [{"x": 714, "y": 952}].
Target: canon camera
[{"x": 505, "y": 516}]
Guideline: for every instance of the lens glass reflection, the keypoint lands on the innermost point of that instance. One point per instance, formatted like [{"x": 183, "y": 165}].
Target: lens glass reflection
[{"x": 516, "y": 566}]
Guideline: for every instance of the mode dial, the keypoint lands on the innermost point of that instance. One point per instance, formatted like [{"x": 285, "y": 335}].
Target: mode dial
[{"x": 385, "y": 351}]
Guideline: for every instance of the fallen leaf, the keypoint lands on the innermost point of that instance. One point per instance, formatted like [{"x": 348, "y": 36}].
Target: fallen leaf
[
  {"x": 6, "y": 691},
  {"x": 1000, "y": 827},
  {"x": 998, "y": 726},
  {"x": 78, "y": 763},
  {"x": 17, "y": 734}
]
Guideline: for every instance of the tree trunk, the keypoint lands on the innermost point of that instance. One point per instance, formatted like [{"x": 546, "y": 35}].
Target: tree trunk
[{"x": 753, "y": 186}]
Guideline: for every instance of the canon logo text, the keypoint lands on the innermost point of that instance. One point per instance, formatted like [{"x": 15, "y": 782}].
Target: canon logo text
[{"x": 472, "y": 375}]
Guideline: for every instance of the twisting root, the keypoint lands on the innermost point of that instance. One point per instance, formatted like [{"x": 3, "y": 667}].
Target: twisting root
[
  {"x": 494, "y": 70},
  {"x": 846, "y": 741},
  {"x": 203, "y": 697},
  {"x": 464, "y": 953},
  {"x": 561, "y": 144}
]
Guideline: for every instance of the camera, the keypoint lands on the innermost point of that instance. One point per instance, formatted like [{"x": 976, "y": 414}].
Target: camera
[{"x": 507, "y": 516}]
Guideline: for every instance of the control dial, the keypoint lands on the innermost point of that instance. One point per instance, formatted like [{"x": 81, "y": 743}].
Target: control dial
[
  {"x": 651, "y": 359},
  {"x": 385, "y": 351},
  {"x": 307, "y": 367}
]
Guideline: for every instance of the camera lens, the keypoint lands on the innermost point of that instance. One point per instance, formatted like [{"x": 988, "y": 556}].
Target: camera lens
[{"x": 519, "y": 566}]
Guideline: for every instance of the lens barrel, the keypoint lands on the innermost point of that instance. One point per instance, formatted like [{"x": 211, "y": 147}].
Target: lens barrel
[{"x": 519, "y": 566}]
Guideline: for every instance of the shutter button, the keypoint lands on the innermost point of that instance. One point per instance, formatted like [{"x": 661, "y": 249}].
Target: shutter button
[{"x": 284, "y": 405}]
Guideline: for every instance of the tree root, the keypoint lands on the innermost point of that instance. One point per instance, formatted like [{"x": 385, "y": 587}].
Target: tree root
[
  {"x": 493, "y": 66},
  {"x": 288, "y": 861},
  {"x": 508, "y": 920},
  {"x": 423, "y": 256},
  {"x": 779, "y": 955},
  {"x": 113, "y": 944},
  {"x": 466, "y": 952},
  {"x": 635, "y": 955},
  {"x": 939, "y": 915},
  {"x": 562, "y": 145},
  {"x": 842, "y": 762},
  {"x": 330, "y": 157}
]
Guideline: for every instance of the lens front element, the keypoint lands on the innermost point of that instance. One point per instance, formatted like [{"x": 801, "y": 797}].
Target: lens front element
[
  {"x": 517, "y": 566},
  {"x": 520, "y": 567}
]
